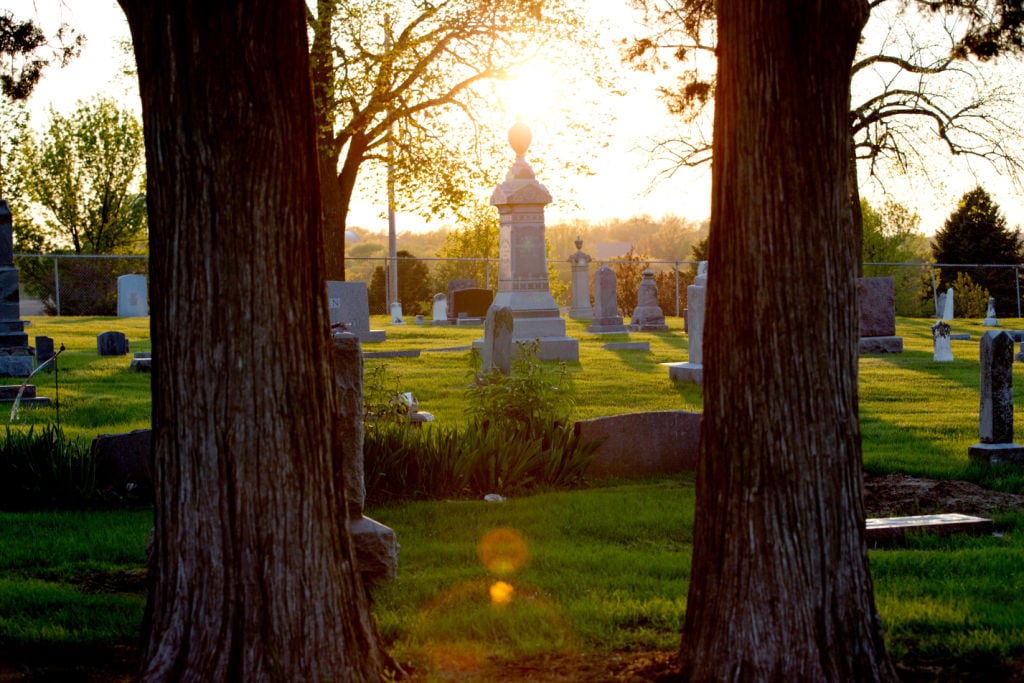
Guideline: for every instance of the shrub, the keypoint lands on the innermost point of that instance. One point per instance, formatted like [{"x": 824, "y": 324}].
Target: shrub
[
  {"x": 970, "y": 300},
  {"x": 44, "y": 470}
]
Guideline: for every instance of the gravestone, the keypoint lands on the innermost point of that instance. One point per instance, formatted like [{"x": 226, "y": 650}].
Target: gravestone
[
  {"x": 454, "y": 286},
  {"x": 522, "y": 265},
  {"x": 44, "y": 349},
  {"x": 396, "y": 313},
  {"x": 990, "y": 314},
  {"x": 497, "y": 347},
  {"x": 940, "y": 305},
  {"x": 580, "y": 284},
  {"x": 947, "y": 310},
  {"x": 124, "y": 466},
  {"x": 348, "y": 305},
  {"x": 995, "y": 416},
  {"x": 439, "y": 313},
  {"x": 471, "y": 304},
  {"x": 692, "y": 370},
  {"x": 606, "y": 318},
  {"x": 943, "y": 352},
  {"x": 647, "y": 316},
  {"x": 141, "y": 362},
  {"x": 876, "y": 297},
  {"x": 131, "y": 296},
  {"x": 15, "y": 353},
  {"x": 112, "y": 344},
  {"x": 375, "y": 545}
]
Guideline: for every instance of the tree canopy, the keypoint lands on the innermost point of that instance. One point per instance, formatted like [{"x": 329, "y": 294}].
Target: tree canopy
[
  {"x": 405, "y": 85},
  {"x": 976, "y": 233}
]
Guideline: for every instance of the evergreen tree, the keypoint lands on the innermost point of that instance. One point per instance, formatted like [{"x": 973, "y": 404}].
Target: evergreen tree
[
  {"x": 413, "y": 286},
  {"x": 976, "y": 233}
]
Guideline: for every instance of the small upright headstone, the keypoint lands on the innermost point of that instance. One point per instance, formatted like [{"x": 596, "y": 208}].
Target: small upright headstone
[
  {"x": 471, "y": 304},
  {"x": 943, "y": 348},
  {"x": 940, "y": 305},
  {"x": 454, "y": 286},
  {"x": 419, "y": 319},
  {"x": 877, "y": 299},
  {"x": 990, "y": 314},
  {"x": 606, "y": 304},
  {"x": 131, "y": 296},
  {"x": 396, "y": 313},
  {"x": 497, "y": 346},
  {"x": 439, "y": 314},
  {"x": 348, "y": 305},
  {"x": 111, "y": 344},
  {"x": 647, "y": 316},
  {"x": 995, "y": 417},
  {"x": 692, "y": 371},
  {"x": 947, "y": 310},
  {"x": 44, "y": 349},
  {"x": 580, "y": 283}
]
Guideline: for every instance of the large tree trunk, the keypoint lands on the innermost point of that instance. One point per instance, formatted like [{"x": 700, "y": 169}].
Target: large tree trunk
[
  {"x": 254, "y": 571},
  {"x": 780, "y": 587}
]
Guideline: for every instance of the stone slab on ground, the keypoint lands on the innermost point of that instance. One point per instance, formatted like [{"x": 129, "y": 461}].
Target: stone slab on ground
[
  {"x": 895, "y": 528},
  {"x": 691, "y": 373},
  {"x": 880, "y": 345},
  {"x": 627, "y": 346},
  {"x": 407, "y": 353},
  {"x": 997, "y": 453}
]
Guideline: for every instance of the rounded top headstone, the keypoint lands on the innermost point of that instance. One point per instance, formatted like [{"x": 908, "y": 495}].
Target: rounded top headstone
[{"x": 519, "y": 136}]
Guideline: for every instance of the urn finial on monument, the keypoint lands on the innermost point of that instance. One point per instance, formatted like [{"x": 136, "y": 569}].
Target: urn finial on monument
[{"x": 520, "y": 137}]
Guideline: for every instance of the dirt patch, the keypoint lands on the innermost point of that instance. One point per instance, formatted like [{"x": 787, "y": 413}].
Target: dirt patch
[{"x": 897, "y": 495}]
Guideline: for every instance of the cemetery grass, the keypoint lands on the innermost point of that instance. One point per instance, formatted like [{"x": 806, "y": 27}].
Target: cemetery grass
[{"x": 605, "y": 566}]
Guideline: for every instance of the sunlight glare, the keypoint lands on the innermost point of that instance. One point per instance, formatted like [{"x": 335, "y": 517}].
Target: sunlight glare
[
  {"x": 531, "y": 92},
  {"x": 501, "y": 593},
  {"x": 502, "y": 550}
]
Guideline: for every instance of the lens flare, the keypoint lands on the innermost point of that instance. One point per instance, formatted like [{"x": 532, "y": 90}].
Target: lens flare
[
  {"x": 502, "y": 551},
  {"x": 501, "y": 593}
]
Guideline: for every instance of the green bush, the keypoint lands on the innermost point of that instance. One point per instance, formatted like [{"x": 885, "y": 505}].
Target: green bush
[
  {"x": 519, "y": 438},
  {"x": 970, "y": 300},
  {"x": 44, "y": 470}
]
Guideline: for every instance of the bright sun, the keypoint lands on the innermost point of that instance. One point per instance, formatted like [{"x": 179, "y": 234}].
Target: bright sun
[{"x": 531, "y": 92}]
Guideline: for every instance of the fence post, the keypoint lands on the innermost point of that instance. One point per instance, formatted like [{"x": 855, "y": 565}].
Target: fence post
[
  {"x": 56, "y": 286},
  {"x": 676, "y": 266},
  {"x": 935, "y": 291},
  {"x": 1016, "y": 281}
]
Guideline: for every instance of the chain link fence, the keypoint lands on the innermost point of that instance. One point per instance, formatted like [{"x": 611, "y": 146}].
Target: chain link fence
[{"x": 66, "y": 284}]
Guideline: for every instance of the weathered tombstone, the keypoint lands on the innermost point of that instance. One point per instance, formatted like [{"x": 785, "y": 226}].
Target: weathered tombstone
[
  {"x": 497, "y": 347},
  {"x": 348, "y": 305},
  {"x": 647, "y": 316},
  {"x": 112, "y": 344},
  {"x": 141, "y": 362},
  {"x": 454, "y": 286},
  {"x": 990, "y": 314},
  {"x": 692, "y": 371},
  {"x": 522, "y": 265},
  {"x": 124, "y": 465},
  {"x": 943, "y": 347},
  {"x": 44, "y": 349},
  {"x": 940, "y": 305},
  {"x": 877, "y": 300},
  {"x": 470, "y": 304},
  {"x": 439, "y": 314},
  {"x": 15, "y": 354},
  {"x": 131, "y": 296},
  {"x": 396, "y": 313},
  {"x": 580, "y": 284},
  {"x": 947, "y": 310},
  {"x": 606, "y": 318},
  {"x": 419, "y": 319},
  {"x": 375, "y": 544},
  {"x": 995, "y": 417}
]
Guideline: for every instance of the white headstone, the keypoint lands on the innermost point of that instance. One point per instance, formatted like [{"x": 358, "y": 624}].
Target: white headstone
[
  {"x": 943, "y": 348},
  {"x": 396, "y": 313},
  {"x": 947, "y": 313},
  {"x": 131, "y": 297},
  {"x": 440, "y": 310},
  {"x": 990, "y": 314}
]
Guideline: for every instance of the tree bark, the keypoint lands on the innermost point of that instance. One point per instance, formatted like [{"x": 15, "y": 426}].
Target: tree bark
[
  {"x": 253, "y": 565},
  {"x": 780, "y": 586}
]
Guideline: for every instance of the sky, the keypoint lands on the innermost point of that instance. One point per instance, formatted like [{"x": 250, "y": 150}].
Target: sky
[{"x": 625, "y": 183}]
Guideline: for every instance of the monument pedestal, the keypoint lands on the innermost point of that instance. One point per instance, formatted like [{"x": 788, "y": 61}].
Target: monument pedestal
[
  {"x": 692, "y": 373},
  {"x": 15, "y": 353},
  {"x": 997, "y": 453}
]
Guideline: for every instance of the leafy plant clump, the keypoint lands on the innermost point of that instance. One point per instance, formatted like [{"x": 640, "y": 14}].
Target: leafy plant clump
[
  {"x": 519, "y": 438},
  {"x": 45, "y": 470}
]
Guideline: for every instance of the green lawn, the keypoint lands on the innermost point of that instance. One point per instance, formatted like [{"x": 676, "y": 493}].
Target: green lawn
[{"x": 598, "y": 569}]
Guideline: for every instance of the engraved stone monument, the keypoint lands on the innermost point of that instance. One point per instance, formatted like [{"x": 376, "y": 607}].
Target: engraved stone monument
[
  {"x": 348, "y": 305},
  {"x": 522, "y": 267},
  {"x": 606, "y": 318},
  {"x": 647, "y": 316},
  {"x": 995, "y": 417},
  {"x": 943, "y": 346},
  {"x": 990, "y": 314},
  {"x": 131, "y": 296},
  {"x": 693, "y": 370},
  {"x": 15, "y": 353},
  {"x": 580, "y": 283}
]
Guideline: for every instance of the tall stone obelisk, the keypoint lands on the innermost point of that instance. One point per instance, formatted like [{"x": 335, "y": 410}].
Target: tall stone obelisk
[
  {"x": 522, "y": 266},
  {"x": 15, "y": 353}
]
